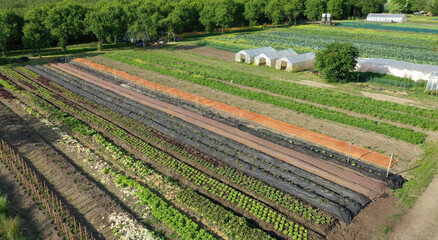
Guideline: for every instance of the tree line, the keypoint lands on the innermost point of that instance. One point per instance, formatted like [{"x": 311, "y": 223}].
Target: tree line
[{"x": 107, "y": 20}]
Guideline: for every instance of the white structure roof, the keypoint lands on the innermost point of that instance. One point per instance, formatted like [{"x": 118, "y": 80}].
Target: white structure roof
[
  {"x": 432, "y": 84},
  {"x": 299, "y": 58},
  {"x": 257, "y": 51},
  {"x": 280, "y": 54},
  {"x": 249, "y": 54},
  {"x": 386, "y": 17},
  {"x": 396, "y": 68}
]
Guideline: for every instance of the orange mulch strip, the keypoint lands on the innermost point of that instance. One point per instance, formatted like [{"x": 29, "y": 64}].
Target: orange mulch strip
[{"x": 329, "y": 142}]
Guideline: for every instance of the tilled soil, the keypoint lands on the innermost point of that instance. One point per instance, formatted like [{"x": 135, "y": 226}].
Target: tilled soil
[
  {"x": 34, "y": 222},
  {"x": 85, "y": 197}
]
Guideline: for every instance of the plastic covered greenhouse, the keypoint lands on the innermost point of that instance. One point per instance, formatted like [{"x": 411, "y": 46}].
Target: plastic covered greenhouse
[
  {"x": 387, "y": 17},
  {"x": 432, "y": 84},
  {"x": 269, "y": 59},
  {"x": 249, "y": 55},
  {"x": 300, "y": 62},
  {"x": 396, "y": 68}
]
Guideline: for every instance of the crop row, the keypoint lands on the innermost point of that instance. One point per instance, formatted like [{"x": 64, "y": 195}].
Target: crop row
[
  {"x": 404, "y": 134},
  {"x": 166, "y": 213},
  {"x": 421, "y": 28},
  {"x": 216, "y": 188},
  {"x": 241, "y": 179},
  {"x": 50, "y": 202},
  {"x": 284, "y": 177},
  {"x": 371, "y": 43},
  {"x": 363, "y": 105}
]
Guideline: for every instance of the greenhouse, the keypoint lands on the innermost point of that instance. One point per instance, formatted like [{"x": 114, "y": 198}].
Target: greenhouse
[
  {"x": 432, "y": 84},
  {"x": 249, "y": 55},
  {"x": 387, "y": 17},
  {"x": 269, "y": 59},
  {"x": 396, "y": 68},
  {"x": 296, "y": 62}
]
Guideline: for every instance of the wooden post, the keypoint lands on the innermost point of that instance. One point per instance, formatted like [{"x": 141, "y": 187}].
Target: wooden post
[
  {"x": 80, "y": 230},
  {"x": 389, "y": 166}
]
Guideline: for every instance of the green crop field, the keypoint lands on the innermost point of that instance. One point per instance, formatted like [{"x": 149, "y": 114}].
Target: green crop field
[{"x": 403, "y": 46}]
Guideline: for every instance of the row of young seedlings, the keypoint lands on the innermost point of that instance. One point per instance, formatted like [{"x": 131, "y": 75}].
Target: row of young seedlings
[
  {"x": 129, "y": 163},
  {"x": 158, "y": 156},
  {"x": 255, "y": 185},
  {"x": 67, "y": 225},
  {"x": 163, "y": 211}
]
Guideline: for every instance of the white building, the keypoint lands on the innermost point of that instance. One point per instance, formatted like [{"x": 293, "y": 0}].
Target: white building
[
  {"x": 269, "y": 59},
  {"x": 387, "y": 17},
  {"x": 249, "y": 55},
  {"x": 294, "y": 63}
]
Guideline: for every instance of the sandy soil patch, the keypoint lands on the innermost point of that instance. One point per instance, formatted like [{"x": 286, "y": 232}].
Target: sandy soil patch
[
  {"x": 421, "y": 222},
  {"x": 384, "y": 97},
  {"x": 315, "y": 84},
  {"x": 209, "y": 52}
]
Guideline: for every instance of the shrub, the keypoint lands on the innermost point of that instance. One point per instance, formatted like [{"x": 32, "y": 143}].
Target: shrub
[{"x": 337, "y": 61}]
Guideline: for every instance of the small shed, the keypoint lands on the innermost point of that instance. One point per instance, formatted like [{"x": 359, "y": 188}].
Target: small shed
[
  {"x": 269, "y": 59},
  {"x": 326, "y": 18},
  {"x": 387, "y": 17},
  {"x": 294, "y": 63},
  {"x": 249, "y": 55}
]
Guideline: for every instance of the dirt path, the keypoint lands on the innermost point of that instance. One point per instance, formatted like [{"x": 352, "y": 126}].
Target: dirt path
[
  {"x": 384, "y": 97},
  {"x": 421, "y": 222}
]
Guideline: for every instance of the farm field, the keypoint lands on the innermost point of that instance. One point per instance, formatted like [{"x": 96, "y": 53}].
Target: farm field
[
  {"x": 369, "y": 38},
  {"x": 180, "y": 142}
]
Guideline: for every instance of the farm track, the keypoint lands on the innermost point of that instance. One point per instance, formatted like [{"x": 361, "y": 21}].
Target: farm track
[
  {"x": 85, "y": 197},
  {"x": 369, "y": 187}
]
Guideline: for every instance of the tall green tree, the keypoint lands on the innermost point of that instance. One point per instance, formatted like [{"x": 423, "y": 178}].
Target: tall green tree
[
  {"x": 337, "y": 61},
  {"x": 107, "y": 20},
  {"x": 254, "y": 11},
  {"x": 10, "y": 29},
  {"x": 314, "y": 9},
  {"x": 36, "y": 34},
  {"x": 394, "y": 6},
  {"x": 275, "y": 11},
  {"x": 217, "y": 13},
  {"x": 66, "y": 20},
  {"x": 146, "y": 21},
  {"x": 293, "y": 9},
  {"x": 339, "y": 8},
  {"x": 178, "y": 18},
  {"x": 372, "y": 6}
]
